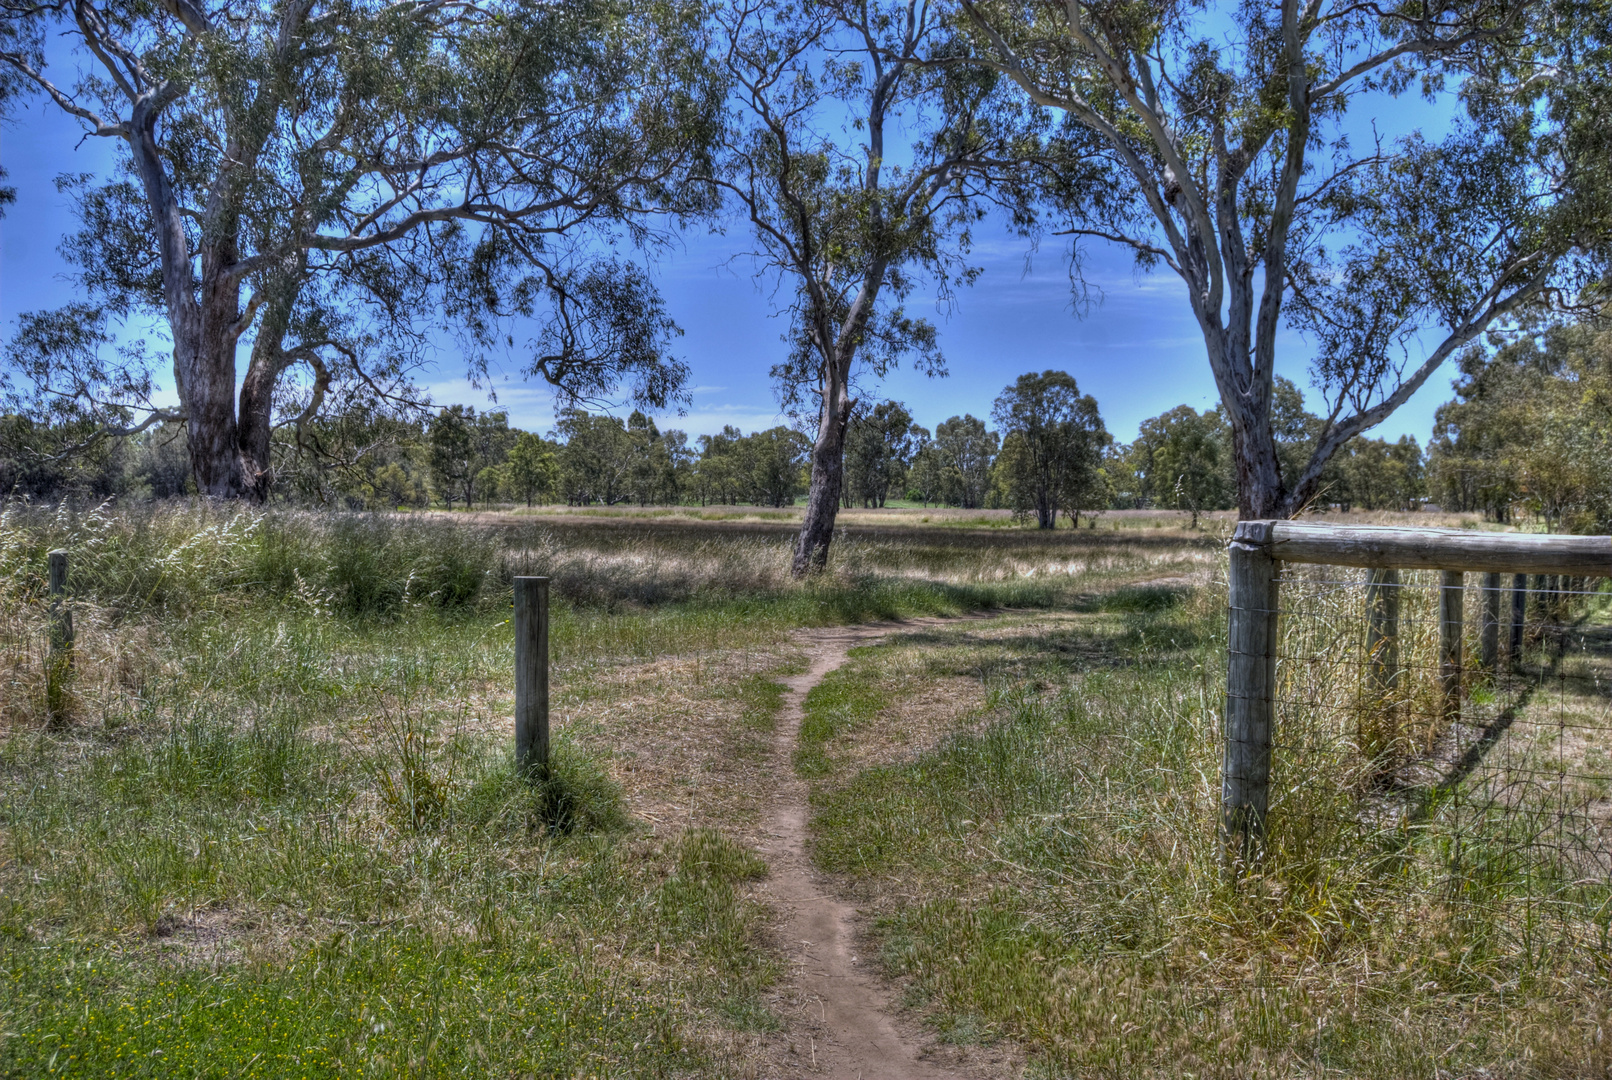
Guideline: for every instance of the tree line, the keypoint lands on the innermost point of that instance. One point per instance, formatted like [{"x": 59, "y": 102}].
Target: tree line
[{"x": 1529, "y": 432}]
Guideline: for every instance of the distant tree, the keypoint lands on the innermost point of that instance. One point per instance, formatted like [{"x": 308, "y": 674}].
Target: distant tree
[
  {"x": 454, "y": 461},
  {"x": 718, "y": 471},
  {"x": 1531, "y": 424},
  {"x": 1187, "y": 464},
  {"x": 880, "y": 444},
  {"x": 675, "y": 464},
  {"x": 394, "y": 485},
  {"x": 533, "y": 468},
  {"x": 595, "y": 459},
  {"x": 646, "y": 469},
  {"x": 1057, "y": 441},
  {"x": 335, "y": 456},
  {"x": 777, "y": 457},
  {"x": 1379, "y": 475},
  {"x": 926, "y": 480},
  {"x": 964, "y": 449}
]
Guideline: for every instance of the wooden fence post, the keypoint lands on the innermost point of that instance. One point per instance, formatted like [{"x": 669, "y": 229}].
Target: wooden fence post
[
  {"x": 1452, "y": 585},
  {"x": 59, "y": 659},
  {"x": 532, "y": 676},
  {"x": 1519, "y": 616},
  {"x": 61, "y": 617},
  {"x": 1380, "y": 734},
  {"x": 1490, "y": 633},
  {"x": 1250, "y": 691}
]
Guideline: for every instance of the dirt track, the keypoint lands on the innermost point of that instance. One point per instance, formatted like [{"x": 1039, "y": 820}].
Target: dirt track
[{"x": 856, "y": 1034}]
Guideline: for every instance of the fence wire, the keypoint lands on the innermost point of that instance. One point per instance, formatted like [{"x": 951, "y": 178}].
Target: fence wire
[{"x": 1490, "y": 785}]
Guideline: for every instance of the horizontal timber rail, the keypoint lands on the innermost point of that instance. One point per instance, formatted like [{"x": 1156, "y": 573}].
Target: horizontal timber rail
[
  {"x": 1385, "y": 547},
  {"x": 1257, "y": 552}
]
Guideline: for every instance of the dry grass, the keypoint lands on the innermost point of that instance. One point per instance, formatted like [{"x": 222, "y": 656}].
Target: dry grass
[
  {"x": 1048, "y": 874},
  {"x": 284, "y": 782},
  {"x": 285, "y": 785}
]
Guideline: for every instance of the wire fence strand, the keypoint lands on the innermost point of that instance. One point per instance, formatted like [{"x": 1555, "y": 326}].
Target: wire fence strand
[{"x": 1481, "y": 768}]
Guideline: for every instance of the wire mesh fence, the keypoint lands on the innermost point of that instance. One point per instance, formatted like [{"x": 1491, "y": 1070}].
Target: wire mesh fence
[{"x": 1457, "y": 727}]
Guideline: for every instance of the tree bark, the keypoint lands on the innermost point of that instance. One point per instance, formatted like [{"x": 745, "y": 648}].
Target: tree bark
[
  {"x": 828, "y": 471},
  {"x": 204, "y": 367}
]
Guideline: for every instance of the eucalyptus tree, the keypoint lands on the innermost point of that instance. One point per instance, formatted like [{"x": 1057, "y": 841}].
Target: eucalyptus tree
[
  {"x": 861, "y": 171},
  {"x": 336, "y": 182},
  {"x": 966, "y": 447},
  {"x": 1185, "y": 455},
  {"x": 880, "y": 443},
  {"x": 1239, "y": 134},
  {"x": 1053, "y": 441}
]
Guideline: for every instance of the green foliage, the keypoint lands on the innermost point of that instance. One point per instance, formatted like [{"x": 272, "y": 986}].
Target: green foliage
[
  {"x": 1052, "y": 447},
  {"x": 765, "y": 468},
  {"x": 955, "y": 468},
  {"x": 533, "y": 471},
  {"x": 1531, "y": 428},
  {"x": 880, "y": 444},
  {"x": 466, "y": 450},
  {"x": 1182, "y": 462}
]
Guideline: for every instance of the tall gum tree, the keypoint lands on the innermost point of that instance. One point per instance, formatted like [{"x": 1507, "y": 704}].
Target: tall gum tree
[
  {"x": 1231, "y": 130},
  {"x": 337, "y": 182},
  {"x": 848, "y": 219}
]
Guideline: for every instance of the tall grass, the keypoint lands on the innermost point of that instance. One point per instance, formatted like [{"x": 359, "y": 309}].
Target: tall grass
[
  {"x": 280, "y": 833},
  {"x": 1063, "y": 884}
]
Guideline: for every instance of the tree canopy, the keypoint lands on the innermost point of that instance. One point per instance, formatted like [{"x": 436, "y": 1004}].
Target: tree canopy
[
  {"x": 1236, "y": 168},
  {"x": 330, "y": 182},
  {"x": 1052, "y": 446}
]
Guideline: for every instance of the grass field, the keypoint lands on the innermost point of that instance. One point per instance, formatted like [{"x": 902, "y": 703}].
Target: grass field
[{"x": 275, "y": 833}]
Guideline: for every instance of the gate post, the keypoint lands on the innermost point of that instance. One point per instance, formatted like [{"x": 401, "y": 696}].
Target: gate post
[
  {"x": 1250, "y": 691},
  {"x": 532, "y": 676},
  {"x": 1519, "y": 617}
]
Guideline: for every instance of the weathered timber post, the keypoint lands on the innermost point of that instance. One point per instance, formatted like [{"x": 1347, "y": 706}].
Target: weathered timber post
[
  {"x": 532, "y": 676},
  {"x": 1451, "y": 587},
  {"x": 1490, "y": 631},
  {"x": 61, "y": 617},
  {"x": 1519, "y": 616},
  {"x": 1250, "y": 691},
  {"x": 1379, "y": 735},
  {"x": 59, "y": 658}
]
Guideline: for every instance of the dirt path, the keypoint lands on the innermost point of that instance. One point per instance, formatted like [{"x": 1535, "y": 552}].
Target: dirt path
[{"x": 856, "y": 1037}]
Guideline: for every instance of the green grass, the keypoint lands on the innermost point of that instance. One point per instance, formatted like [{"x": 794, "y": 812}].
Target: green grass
[
  {"x": 520, "y": 990},
  {"x": 1049, "y": 874},
  {"x": 279, "y": 833},
  {"x": 281, "y": 821}
]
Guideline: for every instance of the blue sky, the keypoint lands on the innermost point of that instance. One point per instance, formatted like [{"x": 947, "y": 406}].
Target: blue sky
[{"x": 1137, "y": 351}]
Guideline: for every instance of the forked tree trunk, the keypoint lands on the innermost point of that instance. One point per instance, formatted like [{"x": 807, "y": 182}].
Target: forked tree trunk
[
  {"x": 204, "y": 367},
  {"x": 1261, "y": 494}
]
